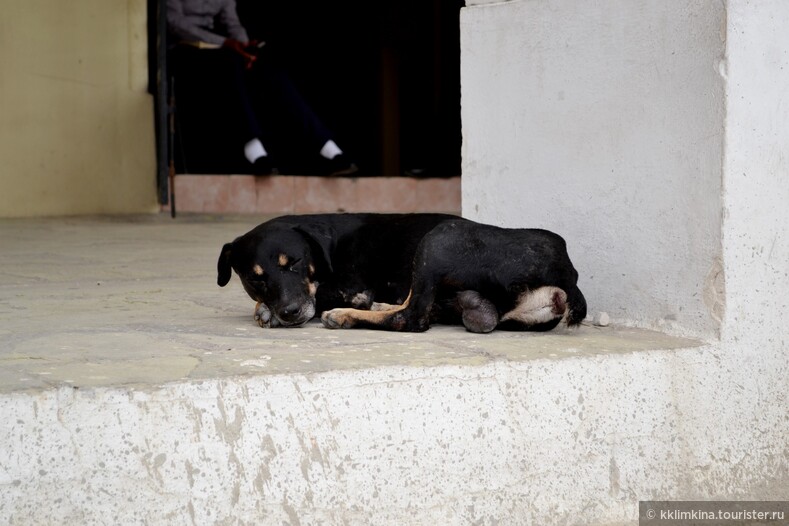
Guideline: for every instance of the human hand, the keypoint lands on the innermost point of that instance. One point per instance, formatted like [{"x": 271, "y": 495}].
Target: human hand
[{"x": 240, "y": 48}]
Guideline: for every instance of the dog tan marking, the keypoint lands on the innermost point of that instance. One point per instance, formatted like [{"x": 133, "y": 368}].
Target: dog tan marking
[
  {"x": 312, "y": 286},
  {"x": 257, "y": 269},
  {"x": 347, "y": 318},
  {"x": 383, "y": 306},
  {"x": 283, "y": 260},
  {"x": 311, "y": 270},
  {"x": 539, "y": 306}
]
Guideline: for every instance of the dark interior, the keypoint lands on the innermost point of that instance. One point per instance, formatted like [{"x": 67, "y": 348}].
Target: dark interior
[{"x": 384, "y": 76}]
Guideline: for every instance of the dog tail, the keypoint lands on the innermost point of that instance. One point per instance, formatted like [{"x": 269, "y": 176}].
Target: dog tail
[{"x": 576, "y": 304}]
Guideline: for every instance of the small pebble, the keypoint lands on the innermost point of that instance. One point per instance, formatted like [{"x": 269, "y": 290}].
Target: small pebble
[{"x": 602, "y": 319}]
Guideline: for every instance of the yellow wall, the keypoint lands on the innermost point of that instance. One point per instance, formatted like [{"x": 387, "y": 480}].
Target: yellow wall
[{"x": 76, "y": 121}]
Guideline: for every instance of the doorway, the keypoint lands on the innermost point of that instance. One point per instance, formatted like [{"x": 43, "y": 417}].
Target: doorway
[{"x": 385, "y": 78}]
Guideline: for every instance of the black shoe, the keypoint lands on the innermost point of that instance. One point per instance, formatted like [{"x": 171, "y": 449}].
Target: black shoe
[
  {"x": 340, "y": 165},
  {"x": 263, "y": 166},
  {"x": 417, "y": 173}
]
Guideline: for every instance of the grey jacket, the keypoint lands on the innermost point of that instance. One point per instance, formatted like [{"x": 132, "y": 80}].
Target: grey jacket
[{"x": 210, "y": 21}]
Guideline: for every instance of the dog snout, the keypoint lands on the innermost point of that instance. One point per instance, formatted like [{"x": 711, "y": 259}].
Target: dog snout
[
  {"x": 295, "y": 313},
  {"x": 290, "y": 310}
]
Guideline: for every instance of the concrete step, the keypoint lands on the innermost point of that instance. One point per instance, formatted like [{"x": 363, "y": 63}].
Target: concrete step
[
  {"x": 228, "y": 424},
  {"x": 135, "y": 391},
  {"x": 223, "y": 194}
]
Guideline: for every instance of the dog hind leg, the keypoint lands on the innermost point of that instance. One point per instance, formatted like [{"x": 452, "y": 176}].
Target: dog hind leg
[
  {"x": 383, "y": 306},
  {"x": 479, "y": 315},
  {"x": 384, "y": 316},
  {"x": 540, "y": 309},
  {"x": 412, "y": 316}
]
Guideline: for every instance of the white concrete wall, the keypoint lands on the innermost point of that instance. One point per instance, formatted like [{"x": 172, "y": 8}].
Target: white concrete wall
[
  {"x": 756, "y": 177},
  {"x": 603, "y": 121}
]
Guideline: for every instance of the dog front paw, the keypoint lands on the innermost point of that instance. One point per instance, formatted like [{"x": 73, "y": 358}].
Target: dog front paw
[
  {"x": 264, "y": 317},
  {"x": 337, "y": 319}
]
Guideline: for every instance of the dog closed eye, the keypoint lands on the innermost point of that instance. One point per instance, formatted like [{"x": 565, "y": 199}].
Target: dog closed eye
[
  {"x": 258, "y": 275},
  {"x": 258, "y": 280},
  {"x": 295, "y": 265},
  {"x": 288, "y": 263}
]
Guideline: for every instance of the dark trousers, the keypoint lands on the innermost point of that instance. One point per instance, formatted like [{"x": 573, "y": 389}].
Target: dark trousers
[{"x": 262, "y": 101}]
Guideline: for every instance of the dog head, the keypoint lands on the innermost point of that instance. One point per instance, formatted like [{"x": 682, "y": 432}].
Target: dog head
[{"x": 280, "y": 265}]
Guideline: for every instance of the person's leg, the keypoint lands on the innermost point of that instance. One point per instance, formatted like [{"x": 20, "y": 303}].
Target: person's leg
[
  {"x": 284, "y": 112},
  {"x": 254, "y": 149}
]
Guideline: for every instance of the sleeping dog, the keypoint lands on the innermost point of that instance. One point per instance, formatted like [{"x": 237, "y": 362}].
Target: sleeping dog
[
  {"x": 295, "y": 267},
  {"x": 404, "y": 272}
]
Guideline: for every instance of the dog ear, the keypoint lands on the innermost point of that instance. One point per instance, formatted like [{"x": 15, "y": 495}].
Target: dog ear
[
  {"x": 320, "y": 237},
  {"x": 224, "y": 270}
]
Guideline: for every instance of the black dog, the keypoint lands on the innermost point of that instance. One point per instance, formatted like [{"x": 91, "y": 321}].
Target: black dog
[
  {"x": 357, "y": 259},
  {"x": 463, "y": 272},
  {"x": 485, "y": 277}
]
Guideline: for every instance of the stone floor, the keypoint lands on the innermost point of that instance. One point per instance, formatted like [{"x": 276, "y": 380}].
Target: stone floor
[{"x": 134, "y": 300}]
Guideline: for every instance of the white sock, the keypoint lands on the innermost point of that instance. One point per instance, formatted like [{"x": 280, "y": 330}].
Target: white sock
[
  {"x": 330, "y": 150},
  {"x": 254, "y": 150}
]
